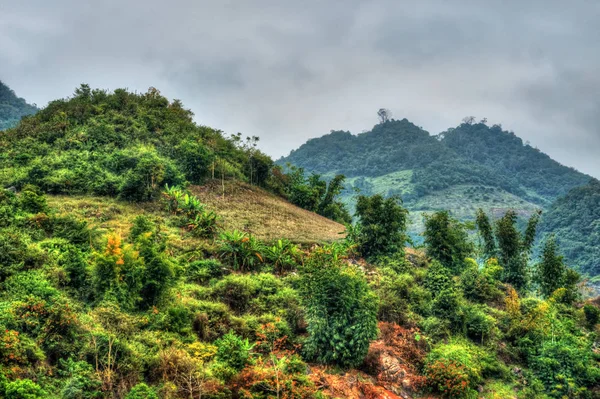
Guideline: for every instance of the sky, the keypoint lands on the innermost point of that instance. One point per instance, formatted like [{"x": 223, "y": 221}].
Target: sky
[{"x": 291, "y": 70}]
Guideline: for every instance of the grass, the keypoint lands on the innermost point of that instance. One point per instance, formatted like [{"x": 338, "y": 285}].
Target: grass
[
  {"x": 243, "y": 207},
  {"x": 268, "y": 217}
]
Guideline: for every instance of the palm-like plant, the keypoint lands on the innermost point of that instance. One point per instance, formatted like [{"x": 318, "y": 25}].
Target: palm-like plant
[
  {"x": 240, "y": 249},
  {"x": 283, "y": 255},
  {"x": 204, "y": 224}
]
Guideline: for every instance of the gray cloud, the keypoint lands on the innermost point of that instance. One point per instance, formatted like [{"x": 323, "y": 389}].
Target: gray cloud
[{"x": 288, "y": 71}]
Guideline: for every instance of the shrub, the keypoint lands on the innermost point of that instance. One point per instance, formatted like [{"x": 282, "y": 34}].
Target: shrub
[
  {"x": 438, "y": 278},
  {"x": 241, "y": 250},
  {"x": 592, "y": 315},
  {"x": 341, "y": 311},
  {"x": 233, "y": 352},
  {"x": 447, "y": 241},
  {"x": 17, "y": 253},
  {"x": 117, "y": 273},
  {"x": 158, "y": 273},
  {"x": 81, "y": 380},
  {"x": 201, "y": 271},
  {"x": 142, "y": 391},
  {"x": 454, "y": 369},
  {"x": 382, "y": 225},
  {"x": 24, "y": 389},
  {"x": 32, "y": 200},
  {"x": 283, "y": 256}
]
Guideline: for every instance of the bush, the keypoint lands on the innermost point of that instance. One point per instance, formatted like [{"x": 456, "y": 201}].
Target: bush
[
  {"x": 142, "y": 391},
  {"x": 32, "y": 200},
  {"x": 24, "y": 389},
  {"x": 454, "y": 369},
  {"x": 202, "y": 271},
  {"x": 283, "y": 256},
  {"x": 341, "y": 311},
  {"x": 592, "y": 315},
  {"x": 17, "y": 253},
  {"x": 233, "y": 352},
  {"x": 242, "y": 251}
]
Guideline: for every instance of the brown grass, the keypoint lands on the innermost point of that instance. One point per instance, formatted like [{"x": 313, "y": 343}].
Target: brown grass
[
  {"x": 267, "y": 216},
  {"x": 243, "y": 207}
]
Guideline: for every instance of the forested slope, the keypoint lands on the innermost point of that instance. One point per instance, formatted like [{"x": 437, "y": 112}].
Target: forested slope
[
  {"x": 143, "y": 256},
  {"x": 12, "y": 108}
]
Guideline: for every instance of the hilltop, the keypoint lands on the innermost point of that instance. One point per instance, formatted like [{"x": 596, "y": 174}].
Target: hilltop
[
  {"x": 12, "y": 108},
  {"x": 462, "y": 169}
]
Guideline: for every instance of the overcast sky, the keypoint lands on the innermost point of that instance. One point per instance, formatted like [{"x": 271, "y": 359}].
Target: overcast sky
[{"x": 291, "y": 70}]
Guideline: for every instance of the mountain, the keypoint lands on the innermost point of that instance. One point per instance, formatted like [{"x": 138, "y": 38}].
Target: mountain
[
  {"x": 12, "y": 108},
  {"x": 575, "y": 221},
  {"x": 462, "y": 169}
]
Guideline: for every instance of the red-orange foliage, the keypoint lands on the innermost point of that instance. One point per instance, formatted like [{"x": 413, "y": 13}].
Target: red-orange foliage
[
  {"x": 395, "y": 359},
  {"x": 448, "y": 377}
]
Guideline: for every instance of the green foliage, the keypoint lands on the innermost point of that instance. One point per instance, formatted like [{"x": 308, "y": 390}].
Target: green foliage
[
  {"x": 117, "y": 273},
  {"x": 514, "y": 248},
  {"x": 592, "y": 315},
  {"x": 573, "y": 219},
  {"x": 341, "y": 311},
  {"x": 196, "y": 218},
  {"x": 486, "y": 233},
  {"x": 119, "y": 144},
  {"x": 446, "y": 240},
  {"x": 202, "y": 271},
  {"x": 81, "y": 381},
  {"x": 283, "y": 256},
  {"x": 233, "y": 352},
  {"x": 12, "y": 108},
  {"x": 382, "y": 225},
  {"x": 438, "y": 278},
  {"x": 24, "y": 389},
  {"x": 551, "y": 270},
  {"x": 566, "y": 367},
  {"x": 240, "y": 250},
  {"x": 142, "y": 391},
  {"x": 454, "y": 369},
  {"x": 312, "y": 192}
]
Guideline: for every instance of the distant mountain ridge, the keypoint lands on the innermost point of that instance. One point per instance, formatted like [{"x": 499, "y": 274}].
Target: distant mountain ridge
[
  {"x": 462, "y": 169},
  {"x": 470, "y": 154},
  {"x": 12, "y": 108}
]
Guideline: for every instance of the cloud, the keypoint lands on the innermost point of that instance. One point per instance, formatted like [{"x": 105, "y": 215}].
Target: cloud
[{"x": 288, "y": 71}]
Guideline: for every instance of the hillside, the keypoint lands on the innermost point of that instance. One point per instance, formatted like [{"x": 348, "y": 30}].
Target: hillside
[
  {"x": 244, "y": 208},
  {"x": 575, "y": 221},
  {"x": 143, "y": 256},
  {"x": 12, "y": 108},
  {"x": 462, "y": 169}
]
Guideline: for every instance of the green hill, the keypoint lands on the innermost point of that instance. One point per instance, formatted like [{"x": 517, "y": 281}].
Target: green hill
[
  {"x": 12, "y": 108},
  {"x": 575, "y": 221},
  {"x": 470, "y": 166},
  {"x": 121, "y": 144},
  {"x": 145, "y": 256}
]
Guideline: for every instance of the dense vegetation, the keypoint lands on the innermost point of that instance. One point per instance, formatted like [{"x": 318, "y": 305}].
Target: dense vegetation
[
  {"x": 12, "y": 108},
  {"x": 462, "y": 169},
  {"x": 575, "y": 221},
  {"x": 470, "y": 154},
  {"x": 169, "y": 304}
]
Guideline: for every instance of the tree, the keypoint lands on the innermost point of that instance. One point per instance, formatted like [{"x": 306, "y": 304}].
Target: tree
[
  {"x": 382, "y": 225},
  {"x": 446, "y": 240},
  {"x": 551, "y": 270},
  {"x": 384, "y": 115},
  {"x": 515, "y": 248},
  {"x": 486, "y": 232},
  {"x": 341, "y": 311}
]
